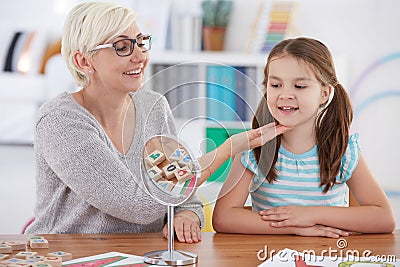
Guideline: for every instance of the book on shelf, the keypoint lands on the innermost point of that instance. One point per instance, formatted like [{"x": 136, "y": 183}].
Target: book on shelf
[
  {"x": 231, "y": 93},
  {"x": 187, "y": 91},
  {"x": 220, "y": 92},
  {"x": 172, "y": 86},
  {"x": 253, "y": 92},
  {"x": 178, "y": 83},
  {"x": 185, "y": 26},
  {"x": 185, "y": 32},
  {"x": 183, "y": 108},
  {"x": 155, "y": 80},
  {"x": 212, "y": 93},
  {"x": 163, "y": 82},
  {"x": 241, "y": 87}
]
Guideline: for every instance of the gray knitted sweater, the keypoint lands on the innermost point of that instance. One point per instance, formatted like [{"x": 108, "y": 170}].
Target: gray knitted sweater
[{"x": 83, "y": 183}]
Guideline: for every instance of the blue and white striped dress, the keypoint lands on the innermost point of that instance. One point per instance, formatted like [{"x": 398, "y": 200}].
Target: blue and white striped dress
[{"x": 298, "y": 181}]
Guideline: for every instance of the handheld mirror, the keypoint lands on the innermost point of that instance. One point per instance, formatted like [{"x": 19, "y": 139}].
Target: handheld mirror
[{"x": 169, "y": 174}]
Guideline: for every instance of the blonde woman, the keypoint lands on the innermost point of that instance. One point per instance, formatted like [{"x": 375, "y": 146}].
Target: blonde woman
[{"x": 88, "y": 144}]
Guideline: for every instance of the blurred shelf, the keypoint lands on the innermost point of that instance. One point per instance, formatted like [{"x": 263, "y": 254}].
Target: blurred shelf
[{"x": 225, "y": 57}]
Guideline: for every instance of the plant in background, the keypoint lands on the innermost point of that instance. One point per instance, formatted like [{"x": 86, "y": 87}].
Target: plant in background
[
  {"x": 216, "y": 13},
  {"x": 216, "y": 16}
]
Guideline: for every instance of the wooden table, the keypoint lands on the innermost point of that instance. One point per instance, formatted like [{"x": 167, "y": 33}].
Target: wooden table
[{"x": 215, "y": 249}]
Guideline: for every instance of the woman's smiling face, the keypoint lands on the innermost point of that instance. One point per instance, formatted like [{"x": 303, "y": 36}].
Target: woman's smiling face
[{"x": 122, "y": 73}]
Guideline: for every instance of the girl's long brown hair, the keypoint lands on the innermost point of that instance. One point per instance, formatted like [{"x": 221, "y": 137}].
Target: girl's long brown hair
[{"x": 332, "y": 125}]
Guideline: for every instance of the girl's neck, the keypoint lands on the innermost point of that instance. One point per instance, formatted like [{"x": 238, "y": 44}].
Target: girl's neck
[{"x": 298, "y": 140}]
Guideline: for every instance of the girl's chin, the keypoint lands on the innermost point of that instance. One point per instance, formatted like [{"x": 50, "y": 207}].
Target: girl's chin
[{"x": 287, "y": 124}]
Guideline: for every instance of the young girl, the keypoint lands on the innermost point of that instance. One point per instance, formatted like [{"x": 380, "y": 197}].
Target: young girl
[{"x": 298, "y": 180}]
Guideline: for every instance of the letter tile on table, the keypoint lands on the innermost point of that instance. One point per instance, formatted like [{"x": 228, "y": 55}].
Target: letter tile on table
[
  {"x": 25, "y": 254},
  {"x": 39, "y": 243},
  {"x": 65, "y": 256}
]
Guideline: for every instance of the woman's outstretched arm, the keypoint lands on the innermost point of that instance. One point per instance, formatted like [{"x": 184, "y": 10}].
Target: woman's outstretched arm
[{"x": 211, "y": 161}]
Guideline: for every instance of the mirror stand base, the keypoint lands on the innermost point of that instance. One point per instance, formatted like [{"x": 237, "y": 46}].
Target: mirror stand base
[{"x": 170, "y": 258}]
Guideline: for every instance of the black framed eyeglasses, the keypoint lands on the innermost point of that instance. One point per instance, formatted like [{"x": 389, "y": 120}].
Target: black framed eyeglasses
[{"x": 124, "y": 47}]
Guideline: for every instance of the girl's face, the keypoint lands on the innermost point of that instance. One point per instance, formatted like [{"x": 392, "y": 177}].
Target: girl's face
[
  {"x": 294, "y": 95},
  {"x": 122, "y": 73}
]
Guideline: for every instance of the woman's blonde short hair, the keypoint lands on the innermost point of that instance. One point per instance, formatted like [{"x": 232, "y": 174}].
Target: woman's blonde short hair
[{"x": 88, "y": 25}]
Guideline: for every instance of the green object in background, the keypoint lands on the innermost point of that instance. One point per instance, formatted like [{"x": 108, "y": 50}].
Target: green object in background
[
  {"x": 215, "y": 137},
  {"x": 216, "y": 13}
]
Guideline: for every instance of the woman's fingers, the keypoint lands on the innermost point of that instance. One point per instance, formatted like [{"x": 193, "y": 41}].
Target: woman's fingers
[{"x": 256, "y": 137}]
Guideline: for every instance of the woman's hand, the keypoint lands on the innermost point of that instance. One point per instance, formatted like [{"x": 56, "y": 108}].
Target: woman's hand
[
  {"x": 187, "y": 227},
  {"x": 255, "y": 137},
  {"x": 284, "y": 216}
]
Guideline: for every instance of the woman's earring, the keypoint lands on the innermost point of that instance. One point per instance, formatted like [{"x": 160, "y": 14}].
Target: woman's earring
[{"x": 90, "y": 71}]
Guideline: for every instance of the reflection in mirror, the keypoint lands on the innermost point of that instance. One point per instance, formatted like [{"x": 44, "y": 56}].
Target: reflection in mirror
[
  {"x": 170, "y": 166},
  {"x": 169, "y": 175}
]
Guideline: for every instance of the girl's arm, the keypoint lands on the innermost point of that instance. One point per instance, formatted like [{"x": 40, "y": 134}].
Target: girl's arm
[
  {"x": 374, "y": 215},
  {"x": 230, "y": 215}
]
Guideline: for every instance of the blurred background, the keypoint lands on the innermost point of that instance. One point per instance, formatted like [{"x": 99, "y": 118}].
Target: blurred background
[{"x": 361, "y": 35}]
